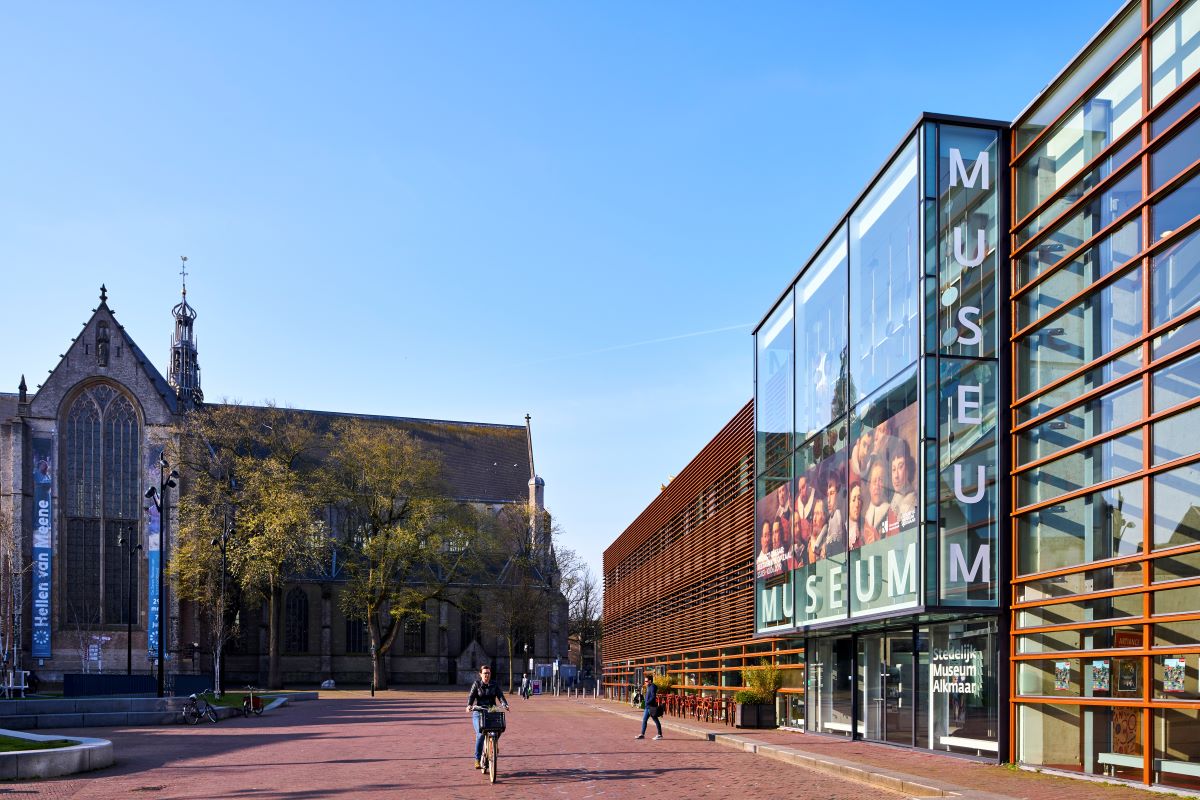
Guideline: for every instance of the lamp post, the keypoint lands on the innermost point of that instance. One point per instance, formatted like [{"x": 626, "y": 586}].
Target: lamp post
[
  {"x": 159, "y": 497},
  {"x": 221, "y": 542},
  {"x": 133, "y": 547}
]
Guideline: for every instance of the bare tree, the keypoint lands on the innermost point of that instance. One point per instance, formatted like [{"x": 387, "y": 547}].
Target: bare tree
[{"x": 405, "y": 542}]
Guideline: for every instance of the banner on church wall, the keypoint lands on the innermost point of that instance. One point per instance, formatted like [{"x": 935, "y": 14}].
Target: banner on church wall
[
  {"x": 153, "y": 551},
  {"x": 43, "y": 543}
]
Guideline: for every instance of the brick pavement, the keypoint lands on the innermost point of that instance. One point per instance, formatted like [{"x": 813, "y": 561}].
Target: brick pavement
[{"x": 417, "y": 744}]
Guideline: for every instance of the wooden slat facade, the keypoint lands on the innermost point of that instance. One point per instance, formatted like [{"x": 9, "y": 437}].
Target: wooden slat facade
[{"x": 681, "y": 576}]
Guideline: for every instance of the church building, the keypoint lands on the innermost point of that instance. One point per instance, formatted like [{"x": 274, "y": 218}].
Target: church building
[{"x": 79, "y": 540}]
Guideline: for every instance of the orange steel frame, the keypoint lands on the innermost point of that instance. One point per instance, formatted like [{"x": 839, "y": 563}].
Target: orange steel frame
[{"x": 1146, "y": 704}]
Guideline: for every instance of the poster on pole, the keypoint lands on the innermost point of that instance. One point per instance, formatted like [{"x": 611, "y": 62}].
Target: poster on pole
[
  {"x": 43, "y": 543},
  {"x": 153, "y": 550}
]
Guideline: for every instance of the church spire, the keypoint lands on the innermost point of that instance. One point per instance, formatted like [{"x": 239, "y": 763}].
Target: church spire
[{"x": 184, "y": 374}]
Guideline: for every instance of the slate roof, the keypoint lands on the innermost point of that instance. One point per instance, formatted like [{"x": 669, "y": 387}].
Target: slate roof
[{"x": 481, "y": 462}]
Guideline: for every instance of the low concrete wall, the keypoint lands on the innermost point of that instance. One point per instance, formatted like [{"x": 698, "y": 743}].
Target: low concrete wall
[{"x": 88, "y": 755}]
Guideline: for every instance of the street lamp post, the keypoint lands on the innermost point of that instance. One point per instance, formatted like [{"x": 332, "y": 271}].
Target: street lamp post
[
  {"x": 222, "y": 542},
  {"x": 159, "y": 497},
  {"x": 133, "y": 548}
]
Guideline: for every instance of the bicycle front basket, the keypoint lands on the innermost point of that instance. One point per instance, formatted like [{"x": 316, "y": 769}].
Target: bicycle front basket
[{"x": 493, "y": 721}]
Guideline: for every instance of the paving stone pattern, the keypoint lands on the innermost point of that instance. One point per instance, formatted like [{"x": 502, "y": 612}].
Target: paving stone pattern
[{"x": 418, "y": 744}]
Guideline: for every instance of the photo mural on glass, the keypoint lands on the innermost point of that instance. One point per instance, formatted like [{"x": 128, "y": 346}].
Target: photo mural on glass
[
  {"x": 884, "y": 505},
  {"x": 820, "y": 516},
  {"x": 774, "y": 548}
]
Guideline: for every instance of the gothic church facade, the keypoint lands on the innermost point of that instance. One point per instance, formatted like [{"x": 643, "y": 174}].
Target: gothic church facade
[{"x": 81, "y": 549}]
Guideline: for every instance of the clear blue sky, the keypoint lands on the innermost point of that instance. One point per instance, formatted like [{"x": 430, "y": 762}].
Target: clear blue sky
[{"x": 472, "y": 210}]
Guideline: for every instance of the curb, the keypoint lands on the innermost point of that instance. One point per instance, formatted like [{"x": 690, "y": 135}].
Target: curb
[
  {"x": 88, "y": 755},
  {"x": 886, "y": 779}
]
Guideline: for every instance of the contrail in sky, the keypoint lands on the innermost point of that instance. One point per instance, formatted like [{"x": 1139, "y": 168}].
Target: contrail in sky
[{"x": 642, "y": 343}]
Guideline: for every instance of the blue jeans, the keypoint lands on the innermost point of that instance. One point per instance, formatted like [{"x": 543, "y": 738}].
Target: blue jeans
[
  {"x": 648, "y": 714},
  {"x": 477, "y": 723}
]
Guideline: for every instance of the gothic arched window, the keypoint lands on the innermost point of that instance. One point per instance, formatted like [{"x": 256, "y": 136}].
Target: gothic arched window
[
  {"x": 295, "y": 622},
  {"x": 102, "y": 494},
  {"x": 471, "y": 619}
]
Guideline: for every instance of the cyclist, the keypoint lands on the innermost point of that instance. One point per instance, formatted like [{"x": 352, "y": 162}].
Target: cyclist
[{"x": 486, "y": 694}]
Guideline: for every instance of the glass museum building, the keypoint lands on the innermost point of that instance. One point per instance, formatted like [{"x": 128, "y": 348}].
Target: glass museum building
[{"x": 976, "y": 437}]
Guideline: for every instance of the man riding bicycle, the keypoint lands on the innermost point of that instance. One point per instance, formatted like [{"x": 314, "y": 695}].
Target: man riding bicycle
[{"x": 484, "y": 694}]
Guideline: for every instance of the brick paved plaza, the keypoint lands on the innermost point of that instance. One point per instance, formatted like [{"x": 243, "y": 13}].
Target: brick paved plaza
[{"x": 417, "y": 744}]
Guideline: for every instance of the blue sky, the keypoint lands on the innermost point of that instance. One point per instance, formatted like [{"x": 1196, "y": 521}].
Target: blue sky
[{"x": 472, "y": 211}]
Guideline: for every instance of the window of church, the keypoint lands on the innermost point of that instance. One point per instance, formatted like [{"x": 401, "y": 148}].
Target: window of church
[
  {"x": 295, "y": 626},
  {"x": 357, "y": 638},
  {"x": 414, "y": 637},
  {"x": 102, "y": 505}
]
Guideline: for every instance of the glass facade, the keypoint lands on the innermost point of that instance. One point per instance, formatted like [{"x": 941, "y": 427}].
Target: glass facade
[
  {"x": 1106, "y": 521},
  {"x": 882, "y": 501}
]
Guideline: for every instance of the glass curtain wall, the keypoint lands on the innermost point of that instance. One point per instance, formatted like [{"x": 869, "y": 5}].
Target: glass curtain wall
[{"x": 1106, "y": 406}]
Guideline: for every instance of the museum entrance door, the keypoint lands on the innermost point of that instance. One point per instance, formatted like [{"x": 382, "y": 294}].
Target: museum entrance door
[{"x": 887, "y": 680}]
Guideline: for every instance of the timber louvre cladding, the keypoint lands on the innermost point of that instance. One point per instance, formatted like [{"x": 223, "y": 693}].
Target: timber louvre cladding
[{"x": 681, "y": 576}]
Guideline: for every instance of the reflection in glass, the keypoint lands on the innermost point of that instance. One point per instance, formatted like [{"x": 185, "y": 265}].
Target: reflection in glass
[
  {"x": 1090, "y": 528},
  {"x": 1098, "y": 463},
  {"x": 830, "y": 686},
  {"x": 884, "y": 267},
  {"x": 1086, "y": 221},
  {"x": 1175, "y": 437},
  {"x": 1176, "y": 209},
  {"x": 1175, "y": 111},
  {"x": 1171, "y": 158},
  {"x": 1175, "y": 51},
  {"x": 1091, "y": 739},
  {"x": 1099, "y": 323},
  {"x": 1100, "y": 414},
  {"x": 1111, "y": 110},
  {"x": 773, "y": 396},
  {"x": 962, "y": 674},
  {"x": 1175, "y": 279},
  {"x": 1176, "y": 498},
  {"x": 1100, "y": 170},
  {"x": 1106, "y": 372},
  {"x": 822, "y": 369},
  {"x": 1088, "y": 266}
]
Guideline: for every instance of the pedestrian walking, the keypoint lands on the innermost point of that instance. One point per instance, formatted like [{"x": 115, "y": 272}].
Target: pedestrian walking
[
  {"x": 525, "y": 686},
  {"x": 650, "y": 692}
]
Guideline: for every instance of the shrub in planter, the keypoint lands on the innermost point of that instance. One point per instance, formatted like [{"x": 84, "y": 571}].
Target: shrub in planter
[{"x": 756, "y": 703}]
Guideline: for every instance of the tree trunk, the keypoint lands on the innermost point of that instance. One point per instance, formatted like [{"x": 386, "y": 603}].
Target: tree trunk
[
  {"x": 509, "y": 640},
  {"x": 274, "y": 677}
]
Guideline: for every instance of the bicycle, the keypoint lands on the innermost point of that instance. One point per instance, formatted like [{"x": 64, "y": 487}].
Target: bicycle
[
  {"x": 197, "y": 706},
  {"x": 252, "y": 704},
  {"x": 491, "y": 727}
]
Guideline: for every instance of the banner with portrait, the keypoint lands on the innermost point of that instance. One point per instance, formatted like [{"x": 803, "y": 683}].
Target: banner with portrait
[
  {"x": 819, "y": 523},
  {"x": 153, "y": 550},
  {"x": 43, "y": 544}
]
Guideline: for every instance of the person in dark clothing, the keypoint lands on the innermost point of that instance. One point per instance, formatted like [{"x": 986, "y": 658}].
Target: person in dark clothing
[
  {"x": 488, "y": 695},
  {"x": 650, "y": 692}
]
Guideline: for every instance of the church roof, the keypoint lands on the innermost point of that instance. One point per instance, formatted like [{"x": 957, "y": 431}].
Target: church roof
[{"x": 481, "y": 461}]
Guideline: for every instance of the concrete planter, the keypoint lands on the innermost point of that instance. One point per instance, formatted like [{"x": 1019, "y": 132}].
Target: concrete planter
[{"x": 754, "y": 715}]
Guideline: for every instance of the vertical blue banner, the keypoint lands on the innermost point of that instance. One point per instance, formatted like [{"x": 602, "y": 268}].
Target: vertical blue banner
[
  {"x": 43, "y": 543},
  {"x": 153, "y": 552}
]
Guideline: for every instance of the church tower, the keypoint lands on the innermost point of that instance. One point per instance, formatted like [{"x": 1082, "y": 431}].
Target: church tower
[{"x": 184, "y": 373}]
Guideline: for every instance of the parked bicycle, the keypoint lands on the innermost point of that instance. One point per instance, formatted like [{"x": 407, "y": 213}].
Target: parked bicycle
[
  {"x": 197, "y": 706},
  {"x": 252, "y": 703},
  {"x": 491, "y": 728}
]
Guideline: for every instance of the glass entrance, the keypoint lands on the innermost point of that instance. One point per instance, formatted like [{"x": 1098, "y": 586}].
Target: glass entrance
[
  {"x": 829, "y": 693},
  {"x": 887, "y": 680}
]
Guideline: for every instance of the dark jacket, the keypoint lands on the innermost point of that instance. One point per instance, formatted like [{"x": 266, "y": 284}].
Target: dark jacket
[
  {"x": 651, "y": 694},
  {"x": 485, "y": 694}
]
